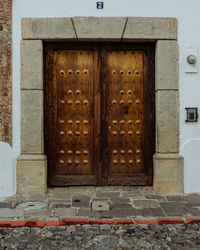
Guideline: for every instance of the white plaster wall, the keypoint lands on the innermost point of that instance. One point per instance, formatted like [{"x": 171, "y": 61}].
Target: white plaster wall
[
  {"x": 7, "y": 170},
  {"x": 187, "y": 13}
]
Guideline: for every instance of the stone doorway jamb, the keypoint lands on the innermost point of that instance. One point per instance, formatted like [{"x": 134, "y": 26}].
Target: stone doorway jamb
[{"x": 32, "y": 164}]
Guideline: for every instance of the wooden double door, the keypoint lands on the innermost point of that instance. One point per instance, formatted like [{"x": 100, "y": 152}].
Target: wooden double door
[{"x": 99, "y": 123}]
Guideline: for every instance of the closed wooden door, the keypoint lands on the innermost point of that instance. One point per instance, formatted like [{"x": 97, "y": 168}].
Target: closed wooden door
[{"x": 99, "y": 114}]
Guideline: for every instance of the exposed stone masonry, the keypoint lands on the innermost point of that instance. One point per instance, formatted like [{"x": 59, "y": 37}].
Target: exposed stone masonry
[{"x": 5, "y": 71}]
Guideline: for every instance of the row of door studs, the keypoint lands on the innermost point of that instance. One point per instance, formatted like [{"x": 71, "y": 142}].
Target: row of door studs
[
  {"x": 78, "y": 92},
  {"x": 70, "y": 133},
  {"x": 86, "y": 102},
  {"x": 85, "y": 72},
  {"x": 85, "y": 122},
  {"x": 115, "y": 152},
  {"x": 138, "y": 161}
]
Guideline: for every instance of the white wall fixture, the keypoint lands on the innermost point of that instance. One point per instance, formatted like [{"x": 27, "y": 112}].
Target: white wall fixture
[
  {"x": 191, "y": 60},
  {"x": 191, "y": 115}
]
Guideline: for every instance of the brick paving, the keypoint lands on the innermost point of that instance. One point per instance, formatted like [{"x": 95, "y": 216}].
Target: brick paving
[{"x": 99, "y": 203}]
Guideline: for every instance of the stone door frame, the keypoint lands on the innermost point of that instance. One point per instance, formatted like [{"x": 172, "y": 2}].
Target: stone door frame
[{"x": 32, "y": 164}]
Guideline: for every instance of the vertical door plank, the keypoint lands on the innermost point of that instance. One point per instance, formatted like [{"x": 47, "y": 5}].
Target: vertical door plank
[
  {"x": 48, "y": 105},
  {"x": 127, "y": 127},
  {"x": 73, "y": 114},
  {"x": 97, "y": 116},
  {"x": 149, "y": 111}
]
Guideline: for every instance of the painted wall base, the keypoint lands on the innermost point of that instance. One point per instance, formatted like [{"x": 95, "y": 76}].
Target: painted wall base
[
  {"x": 31, "y": 174},
  {"x": 168, "y": 174},
  {"x": 7, "y": 170}
]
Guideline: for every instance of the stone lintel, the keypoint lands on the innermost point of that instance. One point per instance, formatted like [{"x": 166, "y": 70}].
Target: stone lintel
[
  {"x": 167, "y": 121},
  {"x": 47, "y": 28},
  {"x": 99, "y": 28},
  {"x": 155, "y": 28},
  {"x": 31, "y": 174},
  {"x": 166, "y": 65},
  {"x": 31, "y": 64},
  {"x": 168, "y": 174}
]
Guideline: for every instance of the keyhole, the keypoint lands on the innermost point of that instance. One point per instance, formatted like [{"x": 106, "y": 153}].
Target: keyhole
[{"x": 125, "y": 110}]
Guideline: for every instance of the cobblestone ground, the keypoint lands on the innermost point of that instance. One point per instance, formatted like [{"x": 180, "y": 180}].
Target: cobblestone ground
[{"x": 180, "y": 236}]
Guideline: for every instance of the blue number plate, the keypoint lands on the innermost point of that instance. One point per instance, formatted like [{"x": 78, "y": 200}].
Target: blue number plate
[{"x": 99, "y": 5}]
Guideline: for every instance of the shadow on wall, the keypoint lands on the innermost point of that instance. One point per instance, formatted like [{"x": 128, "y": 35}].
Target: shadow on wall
[
  {"x": 7, "y": 171},
  {"x": 191, "y": 150}
]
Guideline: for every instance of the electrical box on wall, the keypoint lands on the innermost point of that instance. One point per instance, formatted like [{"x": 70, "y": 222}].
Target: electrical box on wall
[
  {"x": 191, "y": 60},
  {"x": 191, "y": 114}
]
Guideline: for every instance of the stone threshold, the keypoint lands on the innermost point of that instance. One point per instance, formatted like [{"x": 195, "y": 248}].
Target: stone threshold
[
  {"x": 40, "y": 223},
  {"x": 100, "y": 204}
]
